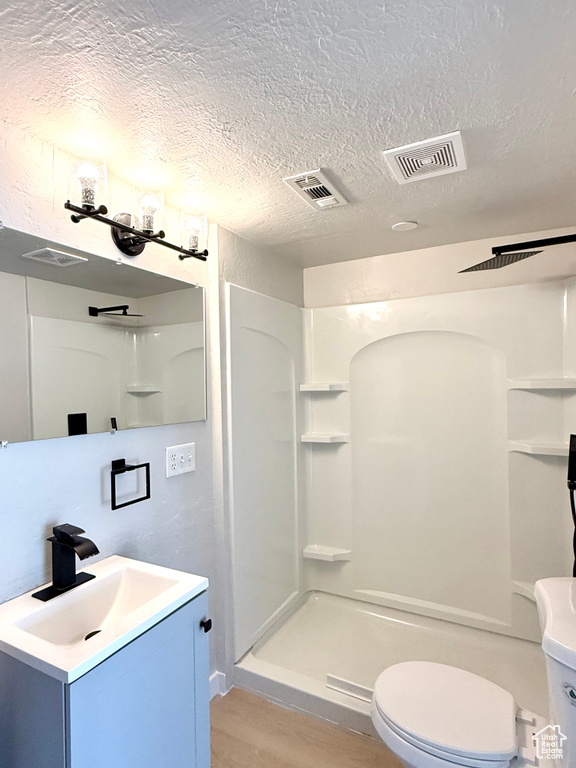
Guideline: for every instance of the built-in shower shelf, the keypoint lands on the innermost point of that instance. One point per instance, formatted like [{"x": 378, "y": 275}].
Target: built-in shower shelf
[
  {"x": 563, "y": 383},
  {"x": 315, "y": 437},
  {"x": 341, "y": 386},
  {"x": 524, "y": 588},
  {"x": 539, "y": 449},
  {"x": 328, "y": 554},
  {"x": 142, "y": 390}
]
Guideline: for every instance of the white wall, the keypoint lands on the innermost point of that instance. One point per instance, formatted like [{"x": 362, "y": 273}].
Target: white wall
[
  {"x": 428, "y": 271},
  {"x": 34, "y": 187},
  {"x": 67, "y": 480},
  {"x": 249, "y": 266},
  {"x": 68, "y": 302},
  {"x": 14, "y": 374},
  {"x": 48, "y": 482}
]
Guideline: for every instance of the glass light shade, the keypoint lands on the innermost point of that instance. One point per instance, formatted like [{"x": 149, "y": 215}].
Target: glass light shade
[
  {"x": 87, "y": 180},
  {"x": 193, "y": 230},
  {"x": 150, "y": 208}
]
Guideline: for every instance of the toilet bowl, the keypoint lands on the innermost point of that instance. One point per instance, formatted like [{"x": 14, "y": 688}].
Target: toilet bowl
[{"x": 438, "y": 716}]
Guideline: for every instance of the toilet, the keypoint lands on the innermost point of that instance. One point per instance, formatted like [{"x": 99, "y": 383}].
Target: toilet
[{"x": 437, "y": 716}]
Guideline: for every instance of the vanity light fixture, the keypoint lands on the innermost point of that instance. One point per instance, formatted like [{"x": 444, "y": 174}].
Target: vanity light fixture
[
  {"x": 88, "y": 182},
  {"x": 126, "y": 232}
]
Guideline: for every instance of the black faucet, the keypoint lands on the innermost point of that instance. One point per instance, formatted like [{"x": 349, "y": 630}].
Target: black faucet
[{"x": 66, "y": 544}]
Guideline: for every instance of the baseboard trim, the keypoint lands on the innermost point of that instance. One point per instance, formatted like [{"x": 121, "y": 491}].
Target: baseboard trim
[{"x": 217, "y": 684}]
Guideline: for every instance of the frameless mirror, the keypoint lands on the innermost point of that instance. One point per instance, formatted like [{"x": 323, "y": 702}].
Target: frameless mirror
[{"x": 89, "y": 345}]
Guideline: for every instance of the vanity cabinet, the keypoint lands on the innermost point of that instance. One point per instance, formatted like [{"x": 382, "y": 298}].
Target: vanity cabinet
[{"x": 146, "y": 706}]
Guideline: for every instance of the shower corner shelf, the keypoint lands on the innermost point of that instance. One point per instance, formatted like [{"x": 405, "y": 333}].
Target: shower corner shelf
[
  {"x": 524, "y": 588},
  {"x": 328, "y": 554},
  {"x": 558, "y": 384},
  {"x": 538, "y": 449},
  {"x": 341, "y": 386},
  {"x": 315, "y": 437},
  {"x": 142, "y": 390}
]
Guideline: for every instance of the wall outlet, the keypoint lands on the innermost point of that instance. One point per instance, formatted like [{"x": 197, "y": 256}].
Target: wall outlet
[{"x": 180, "y": 459}]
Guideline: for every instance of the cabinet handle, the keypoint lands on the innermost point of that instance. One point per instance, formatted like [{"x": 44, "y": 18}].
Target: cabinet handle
[{"x": 206, "y": 624}]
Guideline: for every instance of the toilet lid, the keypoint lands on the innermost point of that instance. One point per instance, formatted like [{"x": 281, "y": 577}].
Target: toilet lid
[{"x": 449, "y": 709}]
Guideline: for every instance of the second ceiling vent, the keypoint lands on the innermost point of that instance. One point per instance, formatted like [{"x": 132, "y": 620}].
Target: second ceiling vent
[
  {"x": 55, "y": 258},
  {"x": 432, "y": 157},
  {"x": 314, "y": 187}
]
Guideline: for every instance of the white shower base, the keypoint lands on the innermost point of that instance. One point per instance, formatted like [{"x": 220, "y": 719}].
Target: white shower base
[{"x": 355, "y": 641}]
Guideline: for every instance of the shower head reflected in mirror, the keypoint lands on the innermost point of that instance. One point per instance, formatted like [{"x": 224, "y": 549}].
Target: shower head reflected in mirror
[{"x": 121, "y": 310}]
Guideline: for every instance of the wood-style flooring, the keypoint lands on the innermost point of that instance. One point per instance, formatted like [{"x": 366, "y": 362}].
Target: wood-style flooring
[{"x": 251, "y": 732}]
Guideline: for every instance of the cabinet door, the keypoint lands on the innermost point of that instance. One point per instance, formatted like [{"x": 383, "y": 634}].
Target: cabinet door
[{"x": 146, "y": 706}]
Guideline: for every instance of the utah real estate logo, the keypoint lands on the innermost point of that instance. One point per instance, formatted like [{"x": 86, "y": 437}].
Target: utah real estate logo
[{"x": 549, "y": 743}]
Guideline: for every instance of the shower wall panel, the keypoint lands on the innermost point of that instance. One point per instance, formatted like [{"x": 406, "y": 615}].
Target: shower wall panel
[
  {"x": 92, "y": 358},
  {"x": 429, "y": 466},
  {"x": 264, "y": 368},
  {"x": 442, "y": 513},
  {"x": 109, "y": 368},
  {"x": 171, "y": 358}
]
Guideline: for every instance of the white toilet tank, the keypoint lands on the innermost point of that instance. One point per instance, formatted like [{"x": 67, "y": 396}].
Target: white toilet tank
[{"x": 556, "y": 601}]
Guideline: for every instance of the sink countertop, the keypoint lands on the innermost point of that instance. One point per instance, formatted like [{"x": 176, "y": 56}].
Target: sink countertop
[{"x": 126, "y": 598}]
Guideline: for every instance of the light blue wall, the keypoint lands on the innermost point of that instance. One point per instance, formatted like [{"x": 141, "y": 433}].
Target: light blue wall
[{"x": 47, "y": 482}]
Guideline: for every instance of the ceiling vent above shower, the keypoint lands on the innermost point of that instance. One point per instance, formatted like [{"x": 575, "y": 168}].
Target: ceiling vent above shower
[
  {"x": 433, "y": 157},
  {"x": 56, "y": 258},
  {"x": 314, "y": 187}
]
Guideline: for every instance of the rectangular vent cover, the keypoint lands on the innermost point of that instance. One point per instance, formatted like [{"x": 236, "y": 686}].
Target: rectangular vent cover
[
  {"x": 56, "y": 258},
  {"x": 433, "y": 157},
  {"x": 315, "y": 188}
]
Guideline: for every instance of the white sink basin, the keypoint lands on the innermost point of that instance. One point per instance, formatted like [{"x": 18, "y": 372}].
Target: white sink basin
[{"x": 125, "y": 599}]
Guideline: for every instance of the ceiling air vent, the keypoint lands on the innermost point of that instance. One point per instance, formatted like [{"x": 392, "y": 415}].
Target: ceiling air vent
[
  {"x": 433, "y": 157},
  {"x": 315, "y": 188},
  {"x": 56, "y": 258}
]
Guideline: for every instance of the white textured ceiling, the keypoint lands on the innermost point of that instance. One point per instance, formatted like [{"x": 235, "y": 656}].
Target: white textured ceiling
[{"x": 227, "y": 97}]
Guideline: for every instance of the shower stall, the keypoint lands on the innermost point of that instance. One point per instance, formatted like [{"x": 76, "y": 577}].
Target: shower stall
[{"x": 397, "y": 485}]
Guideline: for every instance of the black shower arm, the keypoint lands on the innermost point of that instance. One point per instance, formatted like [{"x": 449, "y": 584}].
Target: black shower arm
[
  {"x": 95, "y": 311},
  {"x": 531, "y": 244}
]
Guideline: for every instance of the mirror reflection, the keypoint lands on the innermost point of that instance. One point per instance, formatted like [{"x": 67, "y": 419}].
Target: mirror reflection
[{"x": 90, "y": 345}]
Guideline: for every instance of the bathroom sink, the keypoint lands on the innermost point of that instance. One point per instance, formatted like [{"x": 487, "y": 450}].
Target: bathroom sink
[{"x": 72, "y": 633}]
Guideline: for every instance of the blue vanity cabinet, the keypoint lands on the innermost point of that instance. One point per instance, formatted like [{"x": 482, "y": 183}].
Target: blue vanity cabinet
[{"x": 148, "y": 704}]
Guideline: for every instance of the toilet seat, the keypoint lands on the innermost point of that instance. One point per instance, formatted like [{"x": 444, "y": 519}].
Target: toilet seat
[
  {"x": 446, "y": 712},
  {"x": 427, "y": 750},
  {"x": 415, "y": 756}
]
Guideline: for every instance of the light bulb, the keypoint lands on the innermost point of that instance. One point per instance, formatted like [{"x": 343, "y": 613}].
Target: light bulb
[
  {"x": 193, "y": 228},
  {"x": 149, "y": 204},
  {"x": 88, "y": 175},
  {"x": 193, "y": 237}
]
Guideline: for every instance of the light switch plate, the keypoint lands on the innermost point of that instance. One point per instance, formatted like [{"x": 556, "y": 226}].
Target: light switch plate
[{"x": 180, "y": 459}]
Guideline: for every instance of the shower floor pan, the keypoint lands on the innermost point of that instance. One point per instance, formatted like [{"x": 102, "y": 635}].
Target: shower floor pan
[{"x": 324, "y": 658}]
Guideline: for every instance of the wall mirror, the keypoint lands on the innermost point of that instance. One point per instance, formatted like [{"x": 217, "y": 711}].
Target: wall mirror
[{"x": 72, "y": 364}]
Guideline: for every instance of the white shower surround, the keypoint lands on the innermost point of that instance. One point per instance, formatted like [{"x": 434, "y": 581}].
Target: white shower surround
[
  {"x": 460, "y": 366},
  {"x": 143, "y": 376},
  {"x": 506, "y": 538}
]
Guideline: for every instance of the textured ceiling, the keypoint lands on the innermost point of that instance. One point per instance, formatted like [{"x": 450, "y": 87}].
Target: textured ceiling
[{"x": 224, "y": 98}]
